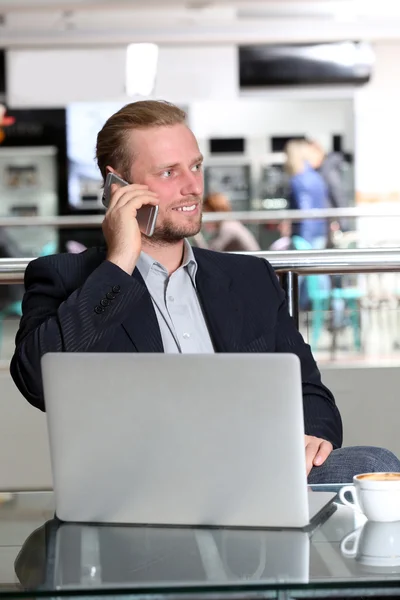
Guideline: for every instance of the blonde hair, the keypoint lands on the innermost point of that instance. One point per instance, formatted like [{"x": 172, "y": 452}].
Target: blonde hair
[
  {"x": 217, "y": 202},
  {"x": 296, "y": 155},
  {"x": 111, "y": 146}
]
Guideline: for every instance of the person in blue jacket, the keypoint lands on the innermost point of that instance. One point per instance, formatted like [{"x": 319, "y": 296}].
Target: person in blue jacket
[{"x": 308, "y": 191}]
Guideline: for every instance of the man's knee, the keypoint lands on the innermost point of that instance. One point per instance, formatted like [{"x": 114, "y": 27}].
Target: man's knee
[
  {"x": 368, "y": 459},
  {"x": 379, "y": 460},
  {"x": 344, "y": 463}
]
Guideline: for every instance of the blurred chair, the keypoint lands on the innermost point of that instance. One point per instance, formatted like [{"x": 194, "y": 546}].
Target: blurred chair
[
  {"x": 14, "y": 309},
  {"x": 48, "y": 248},
  {"x": 324, "y": 298},
  {"x": 319, "y": 294}
]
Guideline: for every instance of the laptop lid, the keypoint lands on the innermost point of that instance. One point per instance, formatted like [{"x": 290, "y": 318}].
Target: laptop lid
[{"x": 214, "y": 440}]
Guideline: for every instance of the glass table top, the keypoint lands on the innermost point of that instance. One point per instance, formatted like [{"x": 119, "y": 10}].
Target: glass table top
[{"x": 41, "y": 554}]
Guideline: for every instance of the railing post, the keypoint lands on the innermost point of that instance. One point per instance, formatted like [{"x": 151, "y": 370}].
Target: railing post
[{"x": 290, "y": 284}]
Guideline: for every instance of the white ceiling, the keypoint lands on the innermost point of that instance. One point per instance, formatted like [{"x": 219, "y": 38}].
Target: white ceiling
[
  {"x": 33, "y": 23},
  {"x": 70, "y": 4}
]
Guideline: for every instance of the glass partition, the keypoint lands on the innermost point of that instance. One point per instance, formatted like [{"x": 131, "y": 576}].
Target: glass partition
[
  {"x": 330, "y": 233},
  {"x": 356, "y": 320},
  {"x": 343, "y": 317}
]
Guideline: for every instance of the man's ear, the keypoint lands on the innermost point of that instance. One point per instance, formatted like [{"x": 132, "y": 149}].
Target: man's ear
[{"x": 110, "y": 170}]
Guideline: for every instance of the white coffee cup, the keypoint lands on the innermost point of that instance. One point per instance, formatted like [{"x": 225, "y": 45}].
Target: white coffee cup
[
  {"x": 374, "y": 544},
  {"x": 376, "y": 495}
]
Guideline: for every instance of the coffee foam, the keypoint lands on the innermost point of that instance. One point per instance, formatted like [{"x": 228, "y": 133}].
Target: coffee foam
[{"x": 379, "y": 477}]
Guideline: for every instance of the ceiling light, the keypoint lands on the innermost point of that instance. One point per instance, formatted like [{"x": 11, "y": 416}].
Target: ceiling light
[
  {"x": 141, "y": 69},
  {"x": 373, "y": 8}
]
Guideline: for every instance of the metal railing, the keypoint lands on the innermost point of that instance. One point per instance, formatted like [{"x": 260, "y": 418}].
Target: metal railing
[
  {"x": 288, "y": 265},
  {"x": 255, "y": 216}
]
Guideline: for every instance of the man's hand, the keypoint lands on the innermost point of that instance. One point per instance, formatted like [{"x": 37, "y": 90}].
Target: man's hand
[
  {"x": 317, "y": 451},
  {"x": 120, "y": 227}
]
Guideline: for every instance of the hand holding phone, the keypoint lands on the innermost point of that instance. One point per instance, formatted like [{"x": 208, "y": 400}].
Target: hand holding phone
[
  {"x": 146, "y": 215},
  {"x": 131, "y": 210}
]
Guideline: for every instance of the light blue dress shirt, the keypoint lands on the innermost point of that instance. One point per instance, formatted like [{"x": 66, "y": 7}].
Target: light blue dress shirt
[{"x": 179, "y": 313}]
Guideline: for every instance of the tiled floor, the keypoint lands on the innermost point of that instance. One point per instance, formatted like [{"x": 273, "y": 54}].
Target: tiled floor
[{"x": 18, "y": 519}]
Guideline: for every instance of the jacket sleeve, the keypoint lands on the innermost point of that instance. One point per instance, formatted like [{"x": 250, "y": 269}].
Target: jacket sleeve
[
  {"x": 54, "y": 320},
  {"x": 321, "y": 415},
  {"x": 333, "y": 178}
]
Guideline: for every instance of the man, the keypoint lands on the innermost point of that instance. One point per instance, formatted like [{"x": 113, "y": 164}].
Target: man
[
  {"x": 157, "y": 294},
  {"x": 330, "y": 167}
]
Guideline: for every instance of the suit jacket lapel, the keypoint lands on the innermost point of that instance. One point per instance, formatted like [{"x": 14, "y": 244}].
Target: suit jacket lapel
[
  {"x": 142, "y": 324},
  {"x": 222, "y": 308}
]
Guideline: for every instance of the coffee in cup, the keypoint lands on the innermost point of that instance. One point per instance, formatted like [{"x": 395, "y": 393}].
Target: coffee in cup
[
  {"x": 379, "y": 477},
  {"x": 377, "y": 495}
]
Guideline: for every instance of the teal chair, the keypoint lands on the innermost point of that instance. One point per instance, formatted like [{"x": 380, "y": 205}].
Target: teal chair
[
  {"x": 49, "y": 248},
  {"x": 324, "y": 299},
  {"x": 14, "y": 309}
]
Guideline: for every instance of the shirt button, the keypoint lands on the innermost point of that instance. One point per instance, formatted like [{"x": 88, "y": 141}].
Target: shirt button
[
  {"x": 186, "y": 336},
  {"x": 171, "y": 298}
]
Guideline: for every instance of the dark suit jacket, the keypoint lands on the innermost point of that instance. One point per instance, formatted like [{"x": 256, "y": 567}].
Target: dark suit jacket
[{"x": 244, "y": 307}]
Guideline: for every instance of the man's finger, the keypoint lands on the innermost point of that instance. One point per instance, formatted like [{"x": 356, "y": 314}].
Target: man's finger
[
  {"x": 141, "y": 195},
  {"x": 312, "y": 448},
  {"x": 323, "y": 452},
  {"x": 117, "y": 191}
]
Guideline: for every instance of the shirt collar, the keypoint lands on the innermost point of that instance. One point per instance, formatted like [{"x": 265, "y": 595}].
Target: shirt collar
[
  {"x": 189, "y": 261},
  {"x": 146, "y": 263}
]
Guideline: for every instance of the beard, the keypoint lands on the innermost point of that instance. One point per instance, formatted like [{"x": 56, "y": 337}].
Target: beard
[{"x": 169, "y": 232}]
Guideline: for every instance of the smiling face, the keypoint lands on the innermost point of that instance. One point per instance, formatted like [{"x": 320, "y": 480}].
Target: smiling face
[{"x": 169, "y": 162}]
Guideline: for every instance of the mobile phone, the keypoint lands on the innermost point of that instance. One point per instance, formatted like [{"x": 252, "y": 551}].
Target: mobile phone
[{"x": 146, "y": 215}]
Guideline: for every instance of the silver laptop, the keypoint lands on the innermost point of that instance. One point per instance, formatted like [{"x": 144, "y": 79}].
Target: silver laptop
[{"x": 164, "y": 439}]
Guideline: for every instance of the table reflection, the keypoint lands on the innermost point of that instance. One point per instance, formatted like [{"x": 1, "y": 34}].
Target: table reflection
[
  {"x": 375, "y": 546},
  {"x": 66, "y": 556}
]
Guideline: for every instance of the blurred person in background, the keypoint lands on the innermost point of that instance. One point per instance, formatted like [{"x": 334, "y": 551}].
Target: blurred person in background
[
  {"x": 229, "y": 236},
  {"x": 284, "y": 242},
  {"x": 308, "y": 191},
  {"x": 329, "y": 166}
]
